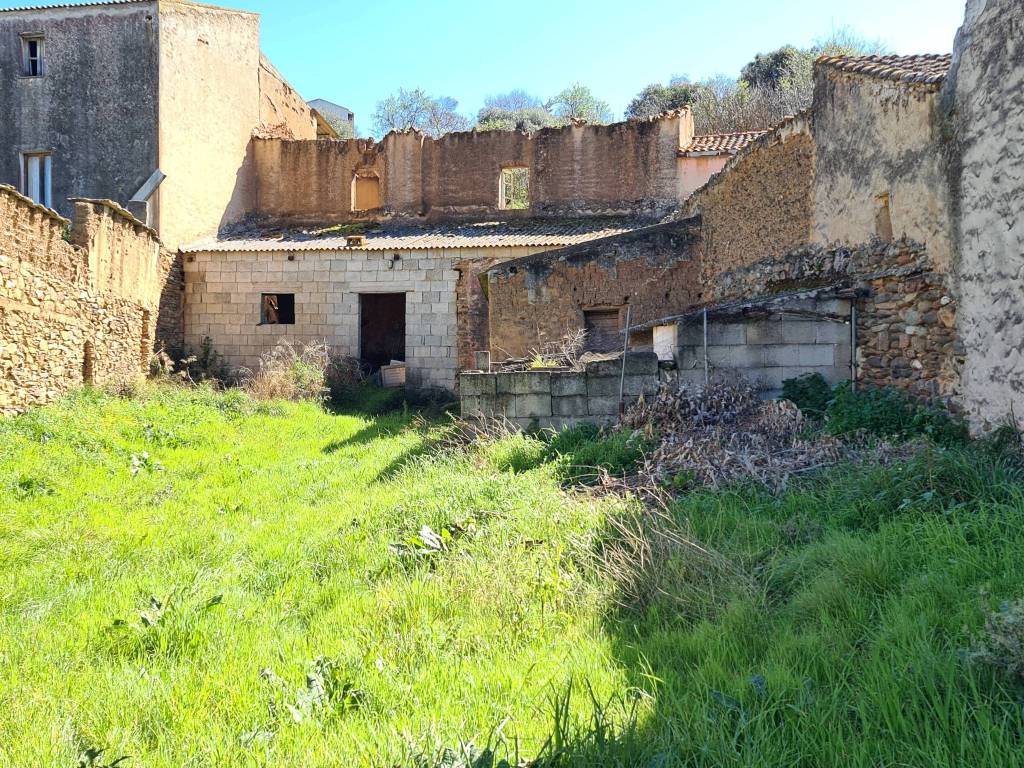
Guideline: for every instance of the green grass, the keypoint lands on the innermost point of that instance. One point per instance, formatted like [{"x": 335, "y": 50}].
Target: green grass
[{"x": 193, "y": 579}]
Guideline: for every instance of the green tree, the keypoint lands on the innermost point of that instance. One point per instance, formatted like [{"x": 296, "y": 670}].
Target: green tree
[
  {"x": 434, "y": 116},
  {"x": 577, "y": 102},
  {"x": 656, "y": 99},
  {"x": 515, "y": 110}
]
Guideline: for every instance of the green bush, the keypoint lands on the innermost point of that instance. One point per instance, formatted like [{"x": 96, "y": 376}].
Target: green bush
[
  {"x": 367, "y": 399},
  {"x": 889, "y": 412},
  {"x": 810, "y": 393},
  {"x": 582, "y": 451}
]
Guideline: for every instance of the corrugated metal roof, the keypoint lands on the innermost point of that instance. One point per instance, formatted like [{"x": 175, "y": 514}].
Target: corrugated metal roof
[
  {"x": 525, "y": 233},
  {"x": 52, "y": 6}
]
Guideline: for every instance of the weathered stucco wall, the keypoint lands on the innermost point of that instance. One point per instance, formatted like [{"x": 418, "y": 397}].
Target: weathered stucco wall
[
  {"x": 630, "y": 167},
  {"x": 878, "y": 139},
  {"x": 761, "y": 205},
  {"x": 985, "y": 100},
  {"x": 538, "y": 300},
  {"x": 695, "y": 172},
  {"x": 95, "y": 108},
  {"x": 75, "y": 311},
  {"x": 282, "y": 109},
  {"x": 209, "y": 106}
]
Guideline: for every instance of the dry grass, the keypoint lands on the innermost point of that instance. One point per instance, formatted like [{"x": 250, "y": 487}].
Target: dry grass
[{"x": 289, "y": 372}]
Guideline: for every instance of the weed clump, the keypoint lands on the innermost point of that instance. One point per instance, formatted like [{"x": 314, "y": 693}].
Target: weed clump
[
  {"x": 1002, "y": 643},
  {"x": 290, "y": 372}
]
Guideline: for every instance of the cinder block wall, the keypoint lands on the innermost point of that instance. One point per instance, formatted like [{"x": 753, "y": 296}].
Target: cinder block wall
[
  {"x": 558, "y": 399},
  {"x": 768, "y": 351}
]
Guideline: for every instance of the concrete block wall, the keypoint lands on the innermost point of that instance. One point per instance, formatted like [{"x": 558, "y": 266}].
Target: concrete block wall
[
  {"x": 559, "y": 399},
  {"x": 223, "y": 292},
  {"x": 768, "y": 351}
]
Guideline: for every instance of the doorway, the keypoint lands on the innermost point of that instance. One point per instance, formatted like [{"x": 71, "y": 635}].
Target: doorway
[{"x": 381, "y": 328}]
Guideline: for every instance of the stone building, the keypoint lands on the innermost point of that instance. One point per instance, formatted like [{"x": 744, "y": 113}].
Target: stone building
[
  {"x": 151, "y": 103},
  {"x": 79, "y": 302}
]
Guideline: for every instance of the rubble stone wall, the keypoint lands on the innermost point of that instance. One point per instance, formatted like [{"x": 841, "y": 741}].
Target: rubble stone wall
[
  {"x": 559, "y": 399},
  {"x": 68, "y": 315},
  {"x": 536, "y": 301}
]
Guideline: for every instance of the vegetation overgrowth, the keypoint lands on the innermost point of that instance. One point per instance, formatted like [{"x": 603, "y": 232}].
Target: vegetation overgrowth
[{"x": 196, "y": 577}]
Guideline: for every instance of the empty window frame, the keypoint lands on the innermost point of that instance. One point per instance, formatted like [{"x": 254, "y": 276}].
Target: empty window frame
[
  {"x": 32, "y": 55},
  {"x": 883, "y": 218},
  {"x": 514, "y": 189},
  {"x": 365, "y": 192},
  {"x": 37, "y": 177},
  {"x": 277, "y": 309}
]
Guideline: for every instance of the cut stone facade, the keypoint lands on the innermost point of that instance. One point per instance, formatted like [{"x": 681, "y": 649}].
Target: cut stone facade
[{"x": 77, "y": 310}]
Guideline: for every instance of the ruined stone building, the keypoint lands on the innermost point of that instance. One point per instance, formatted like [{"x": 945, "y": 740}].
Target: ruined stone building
[
  {"x": 875, "y": 236},
  {"x": 151, "y": 103}
]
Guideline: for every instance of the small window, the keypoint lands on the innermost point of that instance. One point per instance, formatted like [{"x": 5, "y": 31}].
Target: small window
[
  {"x": 514, "y": 189},
  {"x": 32, "y": 55},
  {"x": 277, "y": 309},
  {"x": 602, "y": 327},
  {"x": 37, "y": 177},
  {"x": 883, "y": 218},
  {"x": 365, "y": 193}
]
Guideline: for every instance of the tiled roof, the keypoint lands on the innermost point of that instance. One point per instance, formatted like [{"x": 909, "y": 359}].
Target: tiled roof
[
  {"x": 399, "y": 237},
  {"x": 923, "y": 70},
  {"x": 49, "y": 6},
  {"x": 721, "y": 143}
]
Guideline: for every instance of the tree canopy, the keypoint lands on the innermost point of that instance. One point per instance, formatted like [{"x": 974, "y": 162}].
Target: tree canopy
[{"x": 434, "y": 116}]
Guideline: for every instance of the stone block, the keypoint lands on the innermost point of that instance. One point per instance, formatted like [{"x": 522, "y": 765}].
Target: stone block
[
  {"x": 634, "y": 386},
  {"x": 691, "y": 333},
  {"x": 603, "y": 406},
  {"x": 764, "y": 332},
  {"x": 604, "y": 368},
  {"x": 722, "y": 334},
  {"x": 532, "y": 406},
  {"x": 781, "y": 355},
  {"x": 817, "y": 354},
  {"x": 833, "y": 333},
  {"x": 641, "y": 364},
  {"x": 573, "y": 405},
  {"x": 691, "y": 379},
  {"x": 478, "y": 383},
  {"x": 606, "y": 386},
  {"x": 746, "y": 356},
  {"x": 799, "y": 331},
  {"x": 568, "y": 384},
  {"x": 531, "y": 383}
]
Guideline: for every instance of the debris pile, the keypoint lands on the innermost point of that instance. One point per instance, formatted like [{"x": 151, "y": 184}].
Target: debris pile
[{"x": 726, "y": 433}]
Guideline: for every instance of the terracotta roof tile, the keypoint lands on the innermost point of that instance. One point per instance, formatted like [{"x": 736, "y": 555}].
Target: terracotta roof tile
[
  {"x": 922, "y": 70},
  {"x": 721, "y": 143},
  {"x": 398, "y": 237}
]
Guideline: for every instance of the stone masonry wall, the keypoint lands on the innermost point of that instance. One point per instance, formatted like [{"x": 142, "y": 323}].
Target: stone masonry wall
[
  {"x": 559, "y": 399},
  {"x": 538, "y": 300},
  {"x": 66, "y": 318}
]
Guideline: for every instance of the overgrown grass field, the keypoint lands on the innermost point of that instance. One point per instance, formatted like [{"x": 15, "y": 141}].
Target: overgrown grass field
[{"x": 194, "y": 579}]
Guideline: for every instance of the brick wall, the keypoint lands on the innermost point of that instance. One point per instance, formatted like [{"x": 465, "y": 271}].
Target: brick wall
[
  {"x": 537, "y": 300},
  {"x": 76, "y": 310}
]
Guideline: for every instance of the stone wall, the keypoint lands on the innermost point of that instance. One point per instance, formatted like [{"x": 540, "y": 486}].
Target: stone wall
[
  {"x": 631, "y": 167},
  {"x": 282, "y": 110},
  {"x": 984, "y": 102},
  {"x": 760, "y": 205},
  {"x": 558, "y": 399},
  {"x": 76, "y": 310},
  {"x": 538, "y": 300}
]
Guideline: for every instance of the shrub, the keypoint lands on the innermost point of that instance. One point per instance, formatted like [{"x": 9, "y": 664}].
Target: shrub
[
  {"x": 1002, "y": 644},
  {"x": 889, "y": 412},
  {"x": 583, "y": 451},
  {"x": 205, "y": 364},
  {"x": 810, "y": 393},
  {"x": 290, "y": 372}
]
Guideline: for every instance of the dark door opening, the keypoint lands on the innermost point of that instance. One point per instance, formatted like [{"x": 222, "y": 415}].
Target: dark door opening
[{"x": 381, "y": 328}]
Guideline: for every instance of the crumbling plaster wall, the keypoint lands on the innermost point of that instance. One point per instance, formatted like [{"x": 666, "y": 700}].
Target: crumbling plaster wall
[
  {"x": 536, "y": 301},
  {"x": 875, "y": 137},
  {"x": 209, "y": 96},
  {"x": 77, "y": 310},
  {"x": 760, "y": 205},
  {"x": 629, "y": 167},
  {"x": 95, "y": 108},
  {"x": 281, "y": 106},
  {"x": 984, "y": 100}
]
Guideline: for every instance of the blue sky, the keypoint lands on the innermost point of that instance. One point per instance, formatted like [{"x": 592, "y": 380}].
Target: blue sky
[{"x": 357, "y": 51}]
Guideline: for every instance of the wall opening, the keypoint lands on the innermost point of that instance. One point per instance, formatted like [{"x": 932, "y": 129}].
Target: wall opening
[
  {"x": 146, "y": 345},
  {"x": 277, "y": 309},
  {"x": 602, "y": 327},
  {"x": 514, "y": 189},
  {"x": 88, "y": 364},
  {"x": 32, "y": 55},
  {"x": 883, "y": 218},
  {"x": 381, "y": 328},
  {"x": 365, "y": 192},
  {"x": 37, "y": 177}
]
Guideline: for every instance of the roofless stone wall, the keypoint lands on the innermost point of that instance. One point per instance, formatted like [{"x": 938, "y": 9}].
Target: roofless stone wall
[{"x": 78, "y": 304}]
